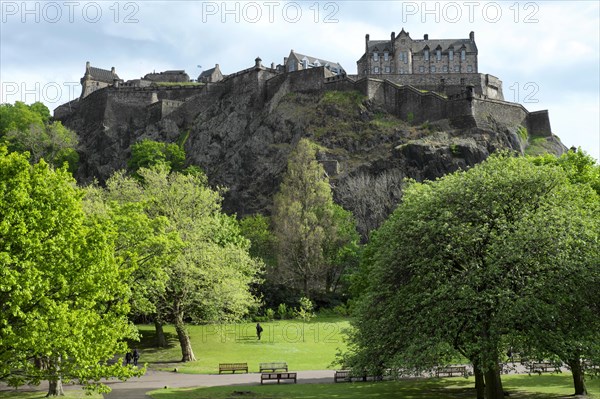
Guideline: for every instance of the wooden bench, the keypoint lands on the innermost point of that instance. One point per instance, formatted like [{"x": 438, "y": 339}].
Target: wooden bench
[
  {"x": 343, "y": 375},
  {"x": 277, "y": 376},
  {"x": 451, "y": 371},
  {"x": 274, "y": 366},
  {"x": 233, "y": 367},
  {"x": 543, "y": 367}
]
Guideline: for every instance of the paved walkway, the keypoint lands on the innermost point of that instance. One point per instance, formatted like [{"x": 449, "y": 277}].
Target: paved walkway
[{"x": 136, "y": 388}]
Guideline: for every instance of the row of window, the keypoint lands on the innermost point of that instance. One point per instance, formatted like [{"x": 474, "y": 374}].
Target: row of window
[
  {"x": 403, "y": 55},
  {"x": 433, "y": 69}
]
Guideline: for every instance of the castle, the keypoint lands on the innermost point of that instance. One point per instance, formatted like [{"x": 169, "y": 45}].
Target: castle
[{"x": 416, "y": 80}]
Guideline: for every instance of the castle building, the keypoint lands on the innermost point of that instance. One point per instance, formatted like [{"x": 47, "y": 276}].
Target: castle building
[
  {"x": 97, "y": 78},
  {"x": 211, "y": 75},
  {"x": 297, "y": 62},
  {"x": 176, "y": 76},
  {"x": 403, "y": 55}
]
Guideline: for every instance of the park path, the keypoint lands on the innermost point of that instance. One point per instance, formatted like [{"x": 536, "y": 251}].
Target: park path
[{"x": 136, "y": 388}]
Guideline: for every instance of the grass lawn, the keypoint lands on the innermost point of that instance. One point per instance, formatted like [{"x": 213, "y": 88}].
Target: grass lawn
[
  {"x": 521, "y": 387},
  {"x": 69, "y": 394},
  {"x": 304, "y": 346}
]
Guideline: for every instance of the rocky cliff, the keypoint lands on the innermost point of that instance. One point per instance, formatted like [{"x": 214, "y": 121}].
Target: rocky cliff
[{"x": 241, "y": 136}]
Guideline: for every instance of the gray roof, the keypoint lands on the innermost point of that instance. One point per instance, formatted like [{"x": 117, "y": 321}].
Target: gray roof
[
  {"x": 102, "y": 75},
  {"x": 418, "y": 45},
  {"x": 207, "y": 73},
  {"x": 312, "y": 60}
]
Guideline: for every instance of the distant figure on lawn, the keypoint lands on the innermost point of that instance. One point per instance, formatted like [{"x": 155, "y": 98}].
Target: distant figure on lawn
[
  {"x": 136, "y": 356},
  {"x": 128, "y": 358},
  {"x": 259, "y": 330}
]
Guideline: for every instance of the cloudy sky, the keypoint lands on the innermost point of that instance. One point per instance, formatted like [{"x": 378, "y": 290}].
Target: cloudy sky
[{"x": 546, "y": 53}]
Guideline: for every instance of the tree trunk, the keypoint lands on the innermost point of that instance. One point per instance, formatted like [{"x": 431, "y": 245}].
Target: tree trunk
[
  {"x": 578, "y": 376},
  {"x": 479, "y": 382},
  {"x": 493, "y": 383},
  {"x": 187, "y": 354},
  {"x": 161, "y": 341},
  {"x": 55, "y": 388}
]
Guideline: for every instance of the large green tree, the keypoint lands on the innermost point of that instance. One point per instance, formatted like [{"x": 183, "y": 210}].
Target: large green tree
[
  {"x": 309, "y": 228},
  {"x": 462, "y": 260},
  {"x": 63, "y": 298},
  {"x": 209, "y": 275}
]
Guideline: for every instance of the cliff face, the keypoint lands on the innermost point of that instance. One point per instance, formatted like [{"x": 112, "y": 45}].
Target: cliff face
[{"x": 241, "y": 136}]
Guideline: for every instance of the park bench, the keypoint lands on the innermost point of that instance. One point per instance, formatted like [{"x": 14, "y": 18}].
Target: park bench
[
  {"x": 233, "y": 367},
  {"x": 277, "y": 376},
  {"x": 451, "y": 371},
  {"x": 274, "y": 366},
  {"x": 343, "y": 375},
  {"x": 543, "y": 367}
]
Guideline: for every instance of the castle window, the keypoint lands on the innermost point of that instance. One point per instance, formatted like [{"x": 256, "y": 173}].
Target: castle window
[
  {"x": 432, "y": 69},
  {"x": 463, "y": 55},
  {"x": 375, "y": 56},
  {"x": 451, "y": 55},
  {"x": 422, "y": 69},
  {"x": 445, "y": 68},
  {"x": 462, "y": 81},
  {"x": 404, "y": 56},
  {"x": 386, "y": 56},
  {"x": 304, "y": 63},
  {"x": 456, "y": 68},
  {"x": 376, "y": 70},
  {"x": 403, "y": 41},
  {"x": 387, "y": 69},
  {"x": 438, "y": 55},
  {"x": 469, "y": 68},
  {"x": 426, "y": 55}
]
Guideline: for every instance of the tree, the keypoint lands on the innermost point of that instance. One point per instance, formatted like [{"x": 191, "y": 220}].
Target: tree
[
  {"x": 28, "y": 128},
  {"x": 63, "y": 300},
  {"x": 462, "y": 259},
  {"x": 302, "y": 220},
  {"x": 209, "y": 275},
  {"x": 148, "y": 153}
]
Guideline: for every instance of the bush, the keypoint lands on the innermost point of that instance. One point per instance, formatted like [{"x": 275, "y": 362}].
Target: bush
[
  {"x": 282, "y": 311},
  {"x": 305, "y": 310},
  {"x": 270, "y": 314}
]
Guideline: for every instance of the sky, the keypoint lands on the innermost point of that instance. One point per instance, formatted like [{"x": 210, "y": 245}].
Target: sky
[{"x": 547, "y": 53}]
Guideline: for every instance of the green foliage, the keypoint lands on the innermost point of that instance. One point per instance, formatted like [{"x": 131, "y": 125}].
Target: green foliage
[
  {"x": 579, "y": 166},
  {"x": 463, "y": 259},
  {"x": 305, "y": 310},
  {"x": 270, "y": 314},
  {"x": 256, "y": 228},
  {"x": 349, "y": 99},
  {"x": 410, "y": 117},
  {"x": 523, "y": 134},
  {"x": 199, "y": 251},
  {"x": 149, "y": 153},
  {"x": 63, "y": 298},
  {"x": 455, "y": 150},
  {"x": 315, "y": 237},
  {"x": 28, "y": 128}
]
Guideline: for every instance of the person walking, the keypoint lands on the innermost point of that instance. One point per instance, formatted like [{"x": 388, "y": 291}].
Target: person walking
[
  {"x": 128, "y": 358},
  {"x": 135, "y": 356}
]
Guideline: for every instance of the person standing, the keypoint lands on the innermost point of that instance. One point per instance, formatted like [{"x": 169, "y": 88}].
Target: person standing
[
  {"x": 259, "y": 330},
  {"x": 128, "y": 358}
]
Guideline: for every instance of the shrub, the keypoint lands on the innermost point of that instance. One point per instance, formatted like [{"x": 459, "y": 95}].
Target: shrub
[
  {"x": 270, "y": 314},
  {"x": 282, "y": 311},
  {"x": 305, "y": 311}
]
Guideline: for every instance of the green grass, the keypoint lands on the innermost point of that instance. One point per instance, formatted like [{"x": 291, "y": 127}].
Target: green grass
[
  {"x": 69, "y": 394},
  {"x": 343, "y": 98},
  {"x": 520, "y": 387},
  {"x": 304, "y": 346}
]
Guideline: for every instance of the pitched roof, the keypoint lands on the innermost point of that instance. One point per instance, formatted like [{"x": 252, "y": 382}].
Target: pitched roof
[
  {"x": 313, "y": 60},
  {"x": 419, "y": 45},
  {"x": 207, "y": 73},
  {"x": 102, "y": 75}
]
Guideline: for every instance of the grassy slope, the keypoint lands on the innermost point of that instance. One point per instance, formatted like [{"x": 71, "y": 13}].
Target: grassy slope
[
  {"x": 520, "y": 386},
  {"x": 304, "y": 346}
]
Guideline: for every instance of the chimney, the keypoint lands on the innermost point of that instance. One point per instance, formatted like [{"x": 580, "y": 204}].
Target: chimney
[
  {"x": 257, "y": 63},
  {"x": 216, "y": 66},
  {"x": 425, "y": 36},
  {"x": 272, "y": 65},
  {"x": 87, "y": 65},
  {"x": 393, "y": 36},
  {"x": 367, "y": 43},
  {"x": 112, "y": 69},
  {"x": 472, "y": 36}
]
